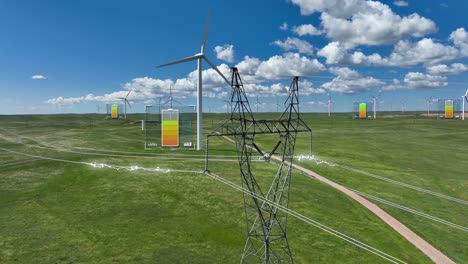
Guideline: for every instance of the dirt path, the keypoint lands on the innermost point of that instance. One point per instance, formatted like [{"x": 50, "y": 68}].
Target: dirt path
[
  {"x": 433, "y": 253},
  {"x": 426, "y": 248}
]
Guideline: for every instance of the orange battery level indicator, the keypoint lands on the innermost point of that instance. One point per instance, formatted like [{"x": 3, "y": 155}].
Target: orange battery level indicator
[
  {"x": 115, "y": 111},
  {"x": 170, "y": 128},
  {"x": 449, "y": 109},
  {"x": 362, "y": 110}
]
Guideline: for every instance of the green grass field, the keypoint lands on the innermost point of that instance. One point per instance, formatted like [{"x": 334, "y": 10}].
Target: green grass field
[{"x": 62, "y": 210}]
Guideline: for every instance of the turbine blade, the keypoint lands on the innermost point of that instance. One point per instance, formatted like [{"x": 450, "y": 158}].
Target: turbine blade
[
  {"x": 205, "y": 34},
  {"x": 128, "y": 93},
  {"x": 217, "y": 70},
  {"x": 466, "y": 94},
  {"x": 191, "y": 58}
]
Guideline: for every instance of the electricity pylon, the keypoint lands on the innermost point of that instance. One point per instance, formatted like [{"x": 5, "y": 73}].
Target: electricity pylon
[{"x": 267, "y": 233}]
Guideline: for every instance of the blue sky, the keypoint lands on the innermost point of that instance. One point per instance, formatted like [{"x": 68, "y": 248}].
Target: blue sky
[{"x": 73, "y": 56}]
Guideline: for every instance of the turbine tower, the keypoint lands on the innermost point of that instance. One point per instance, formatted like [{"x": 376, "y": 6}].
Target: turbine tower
[
  {"x": 329, "y": 104},
  {"x": 464, "y": 98},
  {"x": 199, "y": 57},
  {"x": 429, "y": 103},
  {"x": 125, "y": 103},
  {"x": 376, "y": 98},
  {"x": 170, "y": 100}
]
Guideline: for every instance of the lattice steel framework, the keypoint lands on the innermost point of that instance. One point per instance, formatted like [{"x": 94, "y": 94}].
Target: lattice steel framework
[{"x": 266, "y": 235}]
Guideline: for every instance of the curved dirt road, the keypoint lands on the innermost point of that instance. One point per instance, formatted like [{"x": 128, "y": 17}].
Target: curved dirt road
[{"x": 433, "y": 253}]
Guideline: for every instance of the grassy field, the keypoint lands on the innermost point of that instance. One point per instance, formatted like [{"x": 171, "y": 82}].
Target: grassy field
[{"x": 63, "y": 210}]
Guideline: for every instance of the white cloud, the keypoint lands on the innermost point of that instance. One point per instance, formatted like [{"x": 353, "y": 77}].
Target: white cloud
[
  {"x": 38, "y": 77},
  {"x": 284, "y": 26},
  {"x": 288, "y": 65},
  {"x": 337, "y": 8},
  {"x": 379, "y": 26},
  {"x": 405, "y": 53},
  {"x": 425, "y": 51},
  {"x": 249, "y": 65},
  {"x": 350, "y": 82},
  {"x": 295, "y": 44},
  {"x": 225, "y": 53},
  {"x": 256, "y": 71},
  {"x": 306, "y": 88},
  {"x": 306, "y": 29},
  {"x": 400, "y": 3},
  {"x": 460, "y": 39},
  {"x": 335, "y": 53},
  {"x": 417, "y": 80},
  {"x": 443, "y": 69},
  {"x": 361, "y": 22}
]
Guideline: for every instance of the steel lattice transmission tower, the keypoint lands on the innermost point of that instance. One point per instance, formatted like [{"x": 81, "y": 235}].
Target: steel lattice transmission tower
[{"x": 266, "y": 225}]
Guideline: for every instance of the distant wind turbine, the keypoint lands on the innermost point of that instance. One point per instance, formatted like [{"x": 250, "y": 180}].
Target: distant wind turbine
[
  {"x": 429, "y": 103},
  {"x": 329, "y": 104},
  {"x": 464, "y": 98},
  {"x": 199, "y": 57},
  {"x": 125, "y": 103},
  {"x": 403, "y": 106},
  {"x": 170, "y": 100},
  {"x": 376, "y": 99}
]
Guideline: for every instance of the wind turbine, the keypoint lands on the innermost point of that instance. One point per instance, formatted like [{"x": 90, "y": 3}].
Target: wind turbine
[
  {"x": 464, "y": 98},
  {"x": 403, "y": 106},
  {"x": 429, "y": 103},
  {"x": 277, "y": 105},
  {"x": 329, "y": 104},
  {"x": 376, "y": 99},
  {"x": 199, "y": 57},
  {"x": 170, "y": 98},
  {"x": 125, "y": 103}
]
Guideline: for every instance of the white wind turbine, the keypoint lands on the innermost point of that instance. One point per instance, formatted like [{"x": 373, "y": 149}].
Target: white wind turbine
[
  {"x": 376, "y": 99},
  {"x": 429, "y": 102},
  {"x": 170, "y": 100},
  {"x": 464, "y": 98},
  {"x": 125, "y": 103},
  {"x": 199, "y": 57},
  {"x": 329, "y": 104}
]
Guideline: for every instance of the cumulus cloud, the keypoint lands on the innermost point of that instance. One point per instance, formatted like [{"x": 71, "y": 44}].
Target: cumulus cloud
[
  {"x": 287, "y": 65},
  {"x": 405, "y": 53},
  {"x": 360, "y": 22},
  {"x": 443, "y": 69},
  {"x": 306, "y": 29},
  {"x": 400, "y": 3},
  {"x": 349, "y": 81},
  {"x": 381, "y": 27},
  {"x": 306, "y": 88},
  {"x": 225, "y": 53},
  {"x": 337, "y": 8},
  {"x": 38, "y": 77},
  {"x": 295, "y": 44},
  {"x": 417, "y": 80},
  {"x": 254, "y": 71},
  {"x": 460, "y": 39}
]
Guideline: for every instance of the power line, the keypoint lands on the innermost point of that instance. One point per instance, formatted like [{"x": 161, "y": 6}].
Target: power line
[
  {"x": 433, "y": 218},
  {"x": 310, "y": 221},
  {"x": 405, "y": 185}
]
